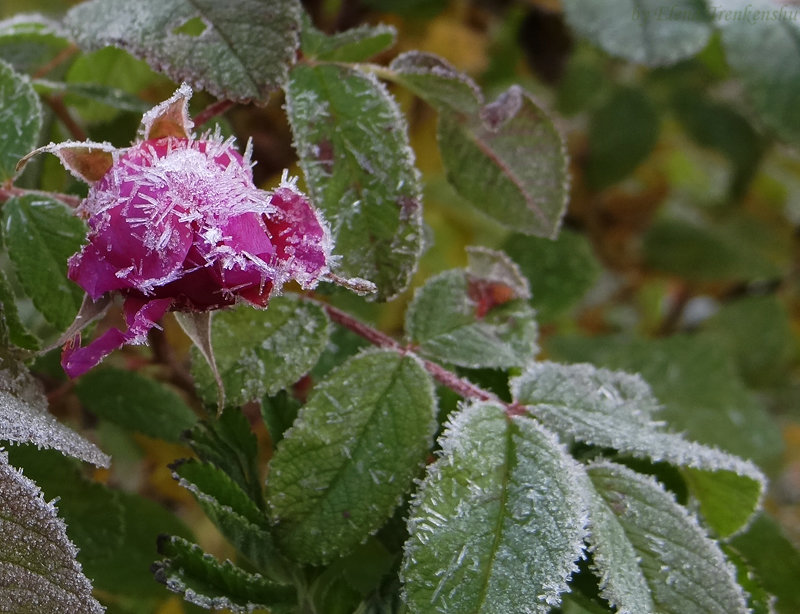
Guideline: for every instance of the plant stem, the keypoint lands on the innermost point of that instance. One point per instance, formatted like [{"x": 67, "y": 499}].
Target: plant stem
[
  {"x": 9, "y": 191},
  {"x": 456, "y": 383},
  {"x": 211, "y": 111}
]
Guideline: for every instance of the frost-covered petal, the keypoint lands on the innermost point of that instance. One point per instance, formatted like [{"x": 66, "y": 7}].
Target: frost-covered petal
[
  {"x": 300, "y": 236},
  {"x": 140, "y": 316}
]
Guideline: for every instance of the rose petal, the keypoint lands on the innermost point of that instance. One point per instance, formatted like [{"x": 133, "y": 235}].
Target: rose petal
[
  {"x": 140, "y": 315},
  {"x": 300, "y": 237}
]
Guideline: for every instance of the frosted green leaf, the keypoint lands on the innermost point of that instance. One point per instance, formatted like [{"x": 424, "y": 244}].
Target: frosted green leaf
[
  {"x": 135, "y": 402},
  {"x": 437, "y": 82},
  {"x": 354, "y": 151},
  {"x": 202, "y": 580},
  {"x": 40, "y": 571},
  {"x": 645, "y": 31},
  {"x": 616, "y": 410},
  {"x": 498, "y": 521},
  {"x": 651, "y": 554},
  {"x": 262, "y": 352},
  {"x": 234, "y": 513},
  {"x": 496, "y": 267},
  {"x": 239, "y": 50},
  {"x": 472, "y": 322},
  {"x": 20, "y": 120},
  {"x": 509, "y": 161},
  {"x": 16, "y": 331},
  {"x": 353, "y": 45},
  {"x": 41, "y": 234},
  {"x": 29, "y": 41},
  {"x": 763, "y": 50},
  {"x": 24, "y": 418},
  {"x": 353, "y": 451},
  {"x": 107, "y": 96}
]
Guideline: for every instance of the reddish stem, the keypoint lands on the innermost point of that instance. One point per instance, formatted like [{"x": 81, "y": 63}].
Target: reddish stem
[
  {"x": 461, "y": 386},
  {"x": 211, "y": 111},
  {"x": 9, "y": 191},
  {"x": 61, "y": 111}
]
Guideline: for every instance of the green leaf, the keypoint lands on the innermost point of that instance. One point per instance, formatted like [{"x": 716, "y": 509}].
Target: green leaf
[
  {"x": 353, "y": 148},
  {"x": 261, "y": 352},
  {"x": 622, "y": 133},
  {"x": 24, "y": 417},
  {"x": 202, "y": 580},
  {"x": 560, "y": 271},
  {"x": 41, "y": 234},
  {"x": 279, "y": 412},
  {"x": 228, "y": 443},
  {"x": 29, "y": 41},
  {"x": 651, "y": 555},
  {"x": 725, "y": 500},
  {"x": 242, "y": 53},
  {"x": 234, "y": 513},
  {"x": 617, "y": 410},
  {"x": 17, "y": 333},
  {"x": 353, "y": 45},
  {"x": 437, "y": 82},
  {"x": 764, "y": 53},
  {"x": 758, "y": 600},
  {"x": 20, "y": 120},
  {"x": 498, "y": 522},
  {"x": 774, "y": 559},
  {"x": 472, "y": 322},
  {"x": 697, "y": 383},
  {"x": 39, "y": 563},
  {"x": 509, "y": 161},
  {"x": 136, "y": 403},
  {"x": 643, "y": 31},
  {"x": 341, "y": 470}
]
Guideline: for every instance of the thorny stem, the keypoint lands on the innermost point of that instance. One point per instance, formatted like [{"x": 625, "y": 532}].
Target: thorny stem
[
  {"x": 459, "y": 385},
  {"x": 211, "y": 111}
]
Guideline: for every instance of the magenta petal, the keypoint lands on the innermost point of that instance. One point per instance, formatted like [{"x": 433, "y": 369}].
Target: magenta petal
[
  {"x": 300, "y": 238},
  {"x": 246, "y": 233},
  {"x": 92, "y": 272},
  {"x": 140, "y": 315}
]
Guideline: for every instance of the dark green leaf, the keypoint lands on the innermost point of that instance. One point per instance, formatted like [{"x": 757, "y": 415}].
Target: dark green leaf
[
  {"x": 20, "y": 120},
  {"x": 758, "y": 600},
  {"x": 260, "y": 352},
  {"x": 762, "y": 48},
  {"x": 30, "y": 41},
  {"x": 354, "y": 45},
  {"x": 508, "y": 161},
  {"x": 622, "y": 132},
  {"x": 40, "y": 570},
  {"x": 234, "y": 513},
  {"x": 651, "y": 554},
  {"x": 472, "y": 322},
  {"x": 279, "y": 412},
  {"x": 41, "y": 234},
  {"x": 17, "y": 333},
  {"x": 341, "y": 470},
  {"x": 228, "y": 443},
  {"x": 354, "y": 151},
  {"x": 135, "y": 402},
  {"x": 201, "y": 579},
  {"x": 242, "y": 53},
  {"x": 617, "y": 410},
  {"x": 645, "y": 31},
  {"x": 499, "y": 520},
  {"x": 24, "y": 417},
  {"x": 560, "y": 271},
  {"x": 775, "y": 561}
]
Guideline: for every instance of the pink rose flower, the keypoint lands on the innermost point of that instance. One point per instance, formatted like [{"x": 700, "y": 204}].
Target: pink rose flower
[{"x": 176, "y": 223}]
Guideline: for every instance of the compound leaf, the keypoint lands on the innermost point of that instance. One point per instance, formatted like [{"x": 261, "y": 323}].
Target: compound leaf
[{"x": 341, "y": 470}]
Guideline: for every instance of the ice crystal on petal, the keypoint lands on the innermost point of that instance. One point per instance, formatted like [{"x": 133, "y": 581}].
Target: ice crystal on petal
[{"x": 176, "y": 223}]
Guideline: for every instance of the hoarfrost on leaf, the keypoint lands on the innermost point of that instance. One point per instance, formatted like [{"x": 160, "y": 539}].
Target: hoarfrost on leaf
[
  {"x": 498, "y": 521},
  {"x": 617, "y": 410},
  {"x": 650, "y": 553},
  {"x": 39, "y": 570},
  {"x": 24, "y": 418},
  {"x": 243, "y": 53},
  {"x": 20, "y": 119}
]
